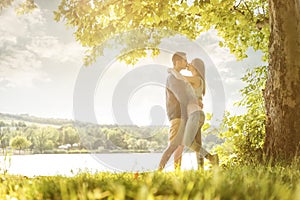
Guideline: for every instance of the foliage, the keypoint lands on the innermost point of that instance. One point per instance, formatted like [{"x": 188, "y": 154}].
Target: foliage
[
  {"x": 89, "y": 137},
  {"x": 3, "y": 137},
  {"x": 26, "y": 7},
  {"x": 23, "y": 8},
  {"x": 44, "y": 138},
  {"x": 233, "y": 183},
  {"x": 20, "y": 143},
  {"x": 5, "y": 4},
  {"x": 138, "y": 26},
  {"x": 92, "y": 137},
  {"x": 244, "y": 134},
  {"x": 69, "y": 135}
]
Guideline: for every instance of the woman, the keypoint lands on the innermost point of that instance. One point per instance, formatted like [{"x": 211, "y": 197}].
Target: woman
[{"x": 197, "y": 80}]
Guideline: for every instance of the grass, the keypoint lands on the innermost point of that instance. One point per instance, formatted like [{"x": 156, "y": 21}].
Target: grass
[{"x": 234, "y": 183}]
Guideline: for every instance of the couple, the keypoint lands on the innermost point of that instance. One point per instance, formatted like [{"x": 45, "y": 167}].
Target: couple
[{"x": 184, "y": 110}]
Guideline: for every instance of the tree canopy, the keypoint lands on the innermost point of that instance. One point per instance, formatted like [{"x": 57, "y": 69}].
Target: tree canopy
[{"x": 99, "y": 24}]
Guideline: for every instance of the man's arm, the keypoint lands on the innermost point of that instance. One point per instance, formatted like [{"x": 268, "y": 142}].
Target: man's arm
[{"x": 177, "y": 87}]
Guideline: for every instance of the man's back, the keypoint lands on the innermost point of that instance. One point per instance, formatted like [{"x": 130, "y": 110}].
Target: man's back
[{"x": 177, "y": 96}]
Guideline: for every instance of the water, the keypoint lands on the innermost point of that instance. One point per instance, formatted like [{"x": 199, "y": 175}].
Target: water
[{"x": 71, "y": 164}]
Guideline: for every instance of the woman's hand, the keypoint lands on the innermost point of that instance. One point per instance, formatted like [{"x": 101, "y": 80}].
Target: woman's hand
[{"x": 188, "y": 66}]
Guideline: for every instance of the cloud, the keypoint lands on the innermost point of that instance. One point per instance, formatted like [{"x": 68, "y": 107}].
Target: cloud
[
  {"x": 19, "y": 68},
  {"x": 25, "y": 46},
  {"x": 220, "y": 56},
  {"x": 51, "y": 47},
  {"x": 4, "y": 82},
  {"x": 7, "y": 39},
  {"x": 20, "y": 25}
]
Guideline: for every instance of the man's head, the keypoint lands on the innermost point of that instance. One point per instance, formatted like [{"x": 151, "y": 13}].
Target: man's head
[{"x": 179, "y": 61}]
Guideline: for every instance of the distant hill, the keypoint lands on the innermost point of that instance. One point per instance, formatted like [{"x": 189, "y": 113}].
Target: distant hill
[
  {"x": 28, "y": 119},
  {"x": 34, "y": 120}
]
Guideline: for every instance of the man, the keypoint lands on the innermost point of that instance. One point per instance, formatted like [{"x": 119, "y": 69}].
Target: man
[{"x": 176, "y": 103}]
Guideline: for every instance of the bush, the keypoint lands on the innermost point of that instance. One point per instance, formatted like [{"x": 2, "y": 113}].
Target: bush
[
  {"x": 60, "y": 151},
  {"x": 244, "y": 134},
  {"x": 74, "y": 151}
]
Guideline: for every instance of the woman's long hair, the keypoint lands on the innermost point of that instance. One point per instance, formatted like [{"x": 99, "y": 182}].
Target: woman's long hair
[{"x": 199, "y": 66}]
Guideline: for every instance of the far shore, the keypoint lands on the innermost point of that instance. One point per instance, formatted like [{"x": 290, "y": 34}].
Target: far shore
[{"x": 73, "y": 151}]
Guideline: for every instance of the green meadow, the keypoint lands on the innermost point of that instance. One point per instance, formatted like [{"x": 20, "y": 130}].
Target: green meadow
[{"x": 257, "y": 182}]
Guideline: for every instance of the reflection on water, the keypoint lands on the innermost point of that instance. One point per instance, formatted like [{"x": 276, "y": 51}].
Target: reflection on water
[{"x": 71, "y": 164}]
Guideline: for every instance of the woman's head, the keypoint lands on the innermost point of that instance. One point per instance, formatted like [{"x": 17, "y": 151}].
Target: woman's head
[{"x": 198, "y": 65}]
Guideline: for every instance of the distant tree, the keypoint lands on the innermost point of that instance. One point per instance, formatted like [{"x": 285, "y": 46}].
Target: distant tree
[
  {"x": 12, "y": 124},
  {"x": 98, "y": 143},
  {"x": 49, "y": 145},
  {"x": 53, "y": 135},
  {"x": 105, "y": 132},
  {"x": 29, "y": 133},
  {"x": 132, "y": 143},
  {"x": 70, "y": 135},
  {"x": 20, "y": 143},
  {"x": 142, "y": 144},
  {"x": 161, "y": 136},
  {"x": 87, "y": 142},
  {"x": 4, "y": 137},
  {"x": 21, "y": 124},
  {"x": 40, "y": 140},
  {"x": 45, "y": 136},
  {"x": 1, "y": 136},
  {"x": 2, "y": 124},
  {"x": 153, "y": 145},
  {"x": 116, "y": 137}
]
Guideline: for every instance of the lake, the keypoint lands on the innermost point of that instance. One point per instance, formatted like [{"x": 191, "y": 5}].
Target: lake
[{"x": 71, "y": 164}]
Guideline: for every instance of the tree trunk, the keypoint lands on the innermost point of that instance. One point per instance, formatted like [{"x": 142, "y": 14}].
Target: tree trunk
[{"x": 282, "y": 93}]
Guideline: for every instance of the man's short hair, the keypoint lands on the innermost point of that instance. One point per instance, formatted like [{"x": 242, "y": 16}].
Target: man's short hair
[{"x": 178, "y": 56}]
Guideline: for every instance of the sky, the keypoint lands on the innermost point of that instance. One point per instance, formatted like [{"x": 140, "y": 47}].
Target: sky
[{"x": 42, "y": 74}]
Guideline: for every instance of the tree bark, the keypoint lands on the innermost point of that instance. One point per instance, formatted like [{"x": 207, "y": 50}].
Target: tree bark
[{"x": 282, "y": 92}]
